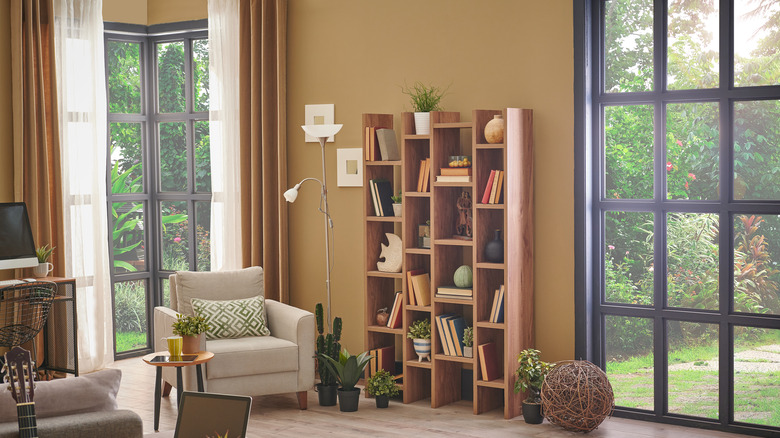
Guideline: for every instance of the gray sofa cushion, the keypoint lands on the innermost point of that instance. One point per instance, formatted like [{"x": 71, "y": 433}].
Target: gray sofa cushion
[
  {"x": 250, "y": 355},
  {"x": 114, "y": 424},
  {"x": 87, "y": 393}
]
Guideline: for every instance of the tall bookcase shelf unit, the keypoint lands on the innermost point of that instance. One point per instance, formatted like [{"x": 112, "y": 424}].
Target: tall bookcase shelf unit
[
  {"x": 513, "y": 215},
  {"x": 380, "y": 287}
]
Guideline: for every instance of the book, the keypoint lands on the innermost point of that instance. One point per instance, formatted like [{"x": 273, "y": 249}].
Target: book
[
  {"x": 367, "y": 144},
  {"x": 388, "y": 146},
  {"x": 449, "y": 336},
  {"x": 422, "y": 289},
  {"x": 454, "y": 290},
  {"x": 492, "y": 199},
  {"x": 488, "y": 188},
  {"x": 453, "y": 171},
  {"x": 384, "y": 194},
  {"x": 426, "y": 186},
  {"x": 457, "y": 327},
  {"x": 421, "y": 176},
  {"x": 394, "y": 321},
  {"x": 453, "y": 178},
  {"x": 382, "y": 358},
  {"x": 410, "y": 285},
  {"x": 488, "y": 361},
  {"x": 374, "y": 197},
  {"x": 452, "y": 297},
  {"x": 494, "y": 307},
  {"x": 499, "y": 317},
  {"x": 499, "y": 187},
  {"x": 442, "y": 326}
]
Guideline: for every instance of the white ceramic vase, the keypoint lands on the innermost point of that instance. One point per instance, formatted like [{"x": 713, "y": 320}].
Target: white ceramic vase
[{"x": 422, "y": 123}]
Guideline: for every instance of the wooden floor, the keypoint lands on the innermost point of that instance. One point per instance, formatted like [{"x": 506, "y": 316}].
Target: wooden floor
[{"x": 279, "y": 416}]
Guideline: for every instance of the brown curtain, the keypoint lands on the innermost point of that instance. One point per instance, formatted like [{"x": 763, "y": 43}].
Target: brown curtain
[
  {"x": 37, "y": 176},
  {"x": 263, "y": 30}
]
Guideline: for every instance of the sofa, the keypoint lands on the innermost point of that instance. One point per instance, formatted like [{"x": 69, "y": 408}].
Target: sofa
[
  {"x": 280, "y": 362},
  {"x": 75, "y": 407}
]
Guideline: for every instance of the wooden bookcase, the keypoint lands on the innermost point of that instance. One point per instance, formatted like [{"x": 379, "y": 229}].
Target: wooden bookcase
[{"x": 440, "y": 379}]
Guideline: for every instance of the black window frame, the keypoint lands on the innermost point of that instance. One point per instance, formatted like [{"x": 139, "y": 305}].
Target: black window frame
[
  {"x": 590, "y": 100},
  {"x": 152, "y": 196}
]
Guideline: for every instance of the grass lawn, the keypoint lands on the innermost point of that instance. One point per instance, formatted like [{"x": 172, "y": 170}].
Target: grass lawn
[{"x": 126, "y": 341}]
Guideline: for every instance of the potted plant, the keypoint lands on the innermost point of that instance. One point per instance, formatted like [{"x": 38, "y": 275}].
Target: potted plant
[
  {"x": 396, "y": 204},
  {"x": 190, "y": 329},
  {"x": 468, "y": 340},
  {"x": 327, "y": 345},
  {"x": 420, "y": 334},
  {"x": 348, "y": 370},
  {"x": 44, "y": 267},
  {"x": 530, "y": 373},
  {"x": 424, "y": 100},
  {"x": 382, "y": 386}
]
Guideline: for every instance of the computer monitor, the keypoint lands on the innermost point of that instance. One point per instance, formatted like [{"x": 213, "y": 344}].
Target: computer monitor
[
  {"x": 203, "y": 414},
  {"x": 17, "y": 247}
]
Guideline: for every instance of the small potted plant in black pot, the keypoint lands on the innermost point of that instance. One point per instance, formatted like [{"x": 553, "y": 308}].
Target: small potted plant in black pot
[
  {"x": 348, "y": 370},
  {"x": 382, "y": 386},
  {"x": 531, "y": 372}
]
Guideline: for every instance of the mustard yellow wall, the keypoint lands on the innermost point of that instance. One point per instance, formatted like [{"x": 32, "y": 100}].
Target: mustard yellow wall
[
  {"x": 125, "y": 11},
  {"x": 356, "y": 54},
  {"x": 148, "y": 12}
]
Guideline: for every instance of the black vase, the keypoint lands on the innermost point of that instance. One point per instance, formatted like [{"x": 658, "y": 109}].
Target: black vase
[
  {"x": 494, "y": 250},
  {"x": 327, "y": 394},
  {"x": 348, "y": 400},
  {"x": 382, "y": 401},
  {"x": 532, "y": 413}
]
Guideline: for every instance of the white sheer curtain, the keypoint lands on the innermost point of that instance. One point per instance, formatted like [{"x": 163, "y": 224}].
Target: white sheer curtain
[
  {"x": 224, "y": 135},
  {"x": 82, "y": 109}
]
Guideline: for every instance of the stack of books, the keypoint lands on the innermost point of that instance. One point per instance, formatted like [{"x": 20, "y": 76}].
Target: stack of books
[
  {"x": 382, "y": 358},
  {"x": 461, "y": 293},
  {"x": 450, "y": 328},
  {"x": 454, "y": 174},
  {"x": 381, "y": 196},
  {"x": 395, "y": 319},
  {"x": 494, "y": 188},
  {"x": 423, "y": 177},
  {"x": 497, "y": 310},
  {"x": 418, "y": 284},
  {"x": 381, "y": 144}
]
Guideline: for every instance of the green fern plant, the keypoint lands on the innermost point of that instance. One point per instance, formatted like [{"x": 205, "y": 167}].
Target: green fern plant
[{"x": 425, "y": 98}]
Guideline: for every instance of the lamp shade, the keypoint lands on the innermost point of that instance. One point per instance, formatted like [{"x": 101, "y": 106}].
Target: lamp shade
[
  {"x": 292, "y": 194},
  {"x": 321, "y": 131}
]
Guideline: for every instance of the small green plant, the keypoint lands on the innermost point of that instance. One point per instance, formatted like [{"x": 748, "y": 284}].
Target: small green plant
[
  {"x": 348, "y": 369},
  {"x": 327, "y": 345},
  {"x": 425, "y": 98},
  {"x": 382, "y": 383},
  {"x": 468, "y": 336},
  {"x": 396, "y": 199},
  {"x": 530, "y": 374},
  {"x": 190, "y": 325},
  {"x": 420, "y": 329},
  {"x": 43, "y": 253}
]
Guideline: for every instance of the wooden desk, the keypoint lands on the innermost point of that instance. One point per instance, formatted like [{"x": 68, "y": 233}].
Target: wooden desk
[{"x": 203, "y": 357}]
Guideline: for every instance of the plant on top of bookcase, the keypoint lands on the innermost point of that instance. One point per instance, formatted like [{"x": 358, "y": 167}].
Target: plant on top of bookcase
[{"x": 425, "y": 98}]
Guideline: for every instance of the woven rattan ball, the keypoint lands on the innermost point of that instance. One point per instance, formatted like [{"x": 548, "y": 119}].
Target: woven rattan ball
[{"x": 576, "y": 395}]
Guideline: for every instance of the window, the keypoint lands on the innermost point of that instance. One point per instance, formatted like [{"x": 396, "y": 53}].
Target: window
[
  {"x": 159, "y": 178},
  {"x": 678, "y": 240}
]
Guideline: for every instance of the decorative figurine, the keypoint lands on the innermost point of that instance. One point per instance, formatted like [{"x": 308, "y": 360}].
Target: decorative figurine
[{"x": 463, "y": 230}]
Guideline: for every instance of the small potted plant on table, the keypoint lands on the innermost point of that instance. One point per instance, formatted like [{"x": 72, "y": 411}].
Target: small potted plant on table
[
  {"x": 348, "y": 370},
  {"x": 420, "y": 334},
  {"x": 190, "y": 328},
  {"x": 44, "y": 267},
  {"x": 530, "y": 376},
  {"x": 382, "y": 386}
]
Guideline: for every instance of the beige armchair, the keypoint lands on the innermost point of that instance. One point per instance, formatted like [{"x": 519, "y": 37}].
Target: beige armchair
[{"x": 254, "y": 365}]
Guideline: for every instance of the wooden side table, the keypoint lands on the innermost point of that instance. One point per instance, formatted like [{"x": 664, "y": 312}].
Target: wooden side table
[{"x": 203, "y": 357}]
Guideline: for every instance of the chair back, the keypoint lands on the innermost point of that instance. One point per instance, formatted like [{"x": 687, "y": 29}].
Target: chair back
[
  {"x": 218, "y": 285},
  {"x": 24, "y": 309}
]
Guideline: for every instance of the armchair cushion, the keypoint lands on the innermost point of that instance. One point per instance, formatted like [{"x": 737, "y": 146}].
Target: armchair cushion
[
  {"x": 232, "y": 318},
  {"x": 225, "y": 285},
  {"x": 250, "y": 355}
]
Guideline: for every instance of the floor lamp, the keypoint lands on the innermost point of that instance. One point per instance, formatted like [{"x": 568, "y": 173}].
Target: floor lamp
[{"x": 321, "y": 132}]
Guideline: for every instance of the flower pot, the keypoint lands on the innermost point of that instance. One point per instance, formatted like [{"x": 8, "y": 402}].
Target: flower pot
[
  {"x": 190, "y": 344},
  {"x": 382, "y": 401},
  {"x": 423, "y": 349},
  {"x": 397, "y": 210},
  {"x": 348, "y": 399},
  {"x": 468, "y": 351},
  {"x": 532, "y": 413},
  {"x": 326, "y": 394},
  {"x": 422, "y": 123},
  {"x": 42, "y": 270}
]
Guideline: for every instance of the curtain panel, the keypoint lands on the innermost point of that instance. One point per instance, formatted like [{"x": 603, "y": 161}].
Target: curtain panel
[
  {"x": 263, "y": 142},
  {"x": 36, "y": 141}
]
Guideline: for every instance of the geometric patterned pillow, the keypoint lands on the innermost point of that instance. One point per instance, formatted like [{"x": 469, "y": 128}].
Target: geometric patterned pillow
[{"x": 232, "y": 318}]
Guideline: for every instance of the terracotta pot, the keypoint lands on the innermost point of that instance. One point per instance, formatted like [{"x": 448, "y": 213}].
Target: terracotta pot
[
  {"x": 494, "y": 130},
  {"x": 190, "y": 344}
]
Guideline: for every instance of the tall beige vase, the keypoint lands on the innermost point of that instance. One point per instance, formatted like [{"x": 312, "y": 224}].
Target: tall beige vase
[{"x": 494, "y": 130}]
